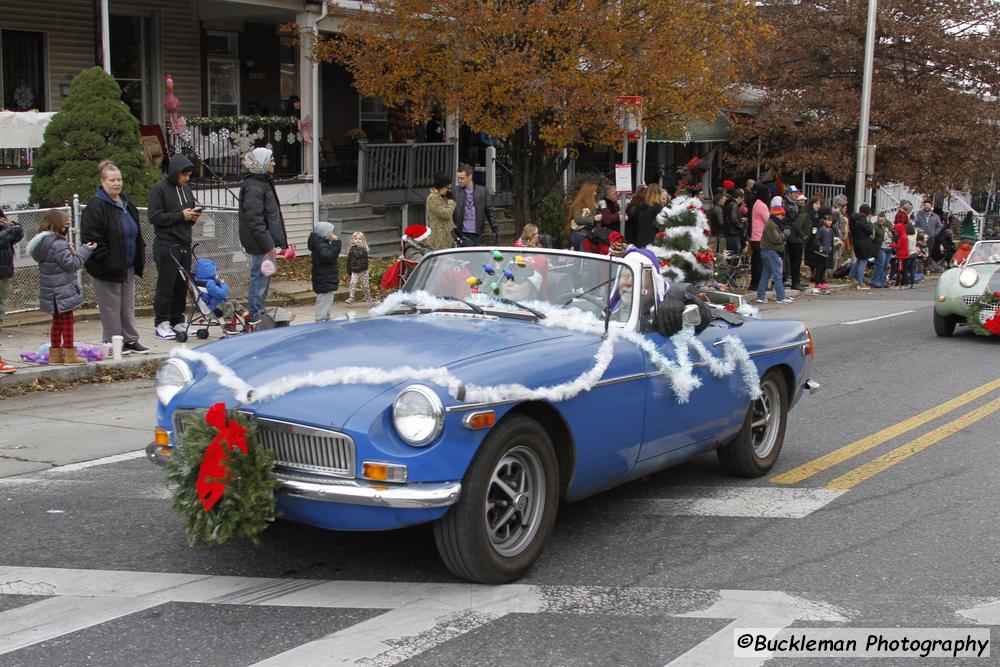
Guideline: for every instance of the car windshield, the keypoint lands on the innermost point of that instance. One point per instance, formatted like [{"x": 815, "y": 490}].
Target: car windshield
[
  {"x": 985, "y": 252},
  {"x": 528, "y": 275}
]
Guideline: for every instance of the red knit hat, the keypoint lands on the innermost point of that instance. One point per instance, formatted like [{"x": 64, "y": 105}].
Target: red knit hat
[
  {"x": 418, "y": 233},
  {"x": 726, "y": 184}
]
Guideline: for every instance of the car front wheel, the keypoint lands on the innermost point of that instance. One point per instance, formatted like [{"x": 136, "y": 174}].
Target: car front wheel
[
  {"x": 508, "y": 505},
  {"x": 944, "y": 325},
  {"x": 754, "y": 450}
]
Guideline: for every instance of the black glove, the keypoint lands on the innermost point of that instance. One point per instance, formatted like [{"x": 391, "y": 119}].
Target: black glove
[{"x": 669, "y": 318}]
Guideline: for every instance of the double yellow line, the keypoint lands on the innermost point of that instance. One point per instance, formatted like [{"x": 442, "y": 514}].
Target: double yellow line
[{"x": 863, "y": 472}]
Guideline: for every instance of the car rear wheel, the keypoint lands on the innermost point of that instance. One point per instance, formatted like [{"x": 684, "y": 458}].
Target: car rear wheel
[
  {"x": 944, "y": 325},
  {"x": 754, "y": 450},
  {"x": 499, "y": 526}
]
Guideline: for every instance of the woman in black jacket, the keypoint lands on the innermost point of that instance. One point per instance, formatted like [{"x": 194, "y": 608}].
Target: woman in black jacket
[
  {"x": 112, "y": 222},
  {"x": 262, "y": 228},
  {"x": 864, "y": 247}
]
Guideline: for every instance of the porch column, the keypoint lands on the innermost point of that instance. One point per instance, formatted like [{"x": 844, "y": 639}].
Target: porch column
[
  {"x": 106, "y": 36},
  {"x": 306, "y": 21}
]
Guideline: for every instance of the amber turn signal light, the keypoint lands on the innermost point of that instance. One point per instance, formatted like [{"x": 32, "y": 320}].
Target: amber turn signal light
[
  {"x": 161, "y": 437},
  {"x": 478, "y": 420},
  {"x": 809, "y": 348},
  {"x": 383, "y": 472}
]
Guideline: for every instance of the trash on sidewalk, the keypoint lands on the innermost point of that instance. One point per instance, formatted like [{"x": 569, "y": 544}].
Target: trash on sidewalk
[{"x": 83, "y": 350}]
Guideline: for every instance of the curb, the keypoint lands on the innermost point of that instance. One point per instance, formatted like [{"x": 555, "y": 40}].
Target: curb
[{"x": 77, "y": 372}]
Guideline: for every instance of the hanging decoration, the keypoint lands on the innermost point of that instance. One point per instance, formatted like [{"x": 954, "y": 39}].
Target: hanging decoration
[
  {"x": 224, "y": 480},
  {"x": 680, "y": 370},
  {"x": 984, "y": 315}
]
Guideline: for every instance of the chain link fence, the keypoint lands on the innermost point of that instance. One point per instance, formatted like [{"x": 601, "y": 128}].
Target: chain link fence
[{"x": 215, "y": 236}]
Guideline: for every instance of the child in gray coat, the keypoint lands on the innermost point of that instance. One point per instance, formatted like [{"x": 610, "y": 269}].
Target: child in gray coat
[{"x": 59, "y": 293}]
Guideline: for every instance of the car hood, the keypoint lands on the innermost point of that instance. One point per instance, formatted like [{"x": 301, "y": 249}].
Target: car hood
[
  {"x": 989, "y": 280},
  {"x": 473, "y": 348}
]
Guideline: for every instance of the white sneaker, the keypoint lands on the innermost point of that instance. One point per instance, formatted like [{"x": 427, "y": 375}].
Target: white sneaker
[
  {"x": 181, "y": 327},
  {"x": 164, "y": 331}
]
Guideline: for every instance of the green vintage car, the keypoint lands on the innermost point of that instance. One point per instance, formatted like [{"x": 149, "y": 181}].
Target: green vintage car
[{"x": 962, "y": 286}]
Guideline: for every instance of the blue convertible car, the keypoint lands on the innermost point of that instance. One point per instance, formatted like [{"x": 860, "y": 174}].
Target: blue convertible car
[{"x": 496, "y": 383}]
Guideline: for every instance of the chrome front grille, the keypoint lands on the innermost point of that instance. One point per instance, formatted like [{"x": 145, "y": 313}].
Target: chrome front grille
[
  {"x": 295, "y": 446},
  {"x": 970, "y": 299}
]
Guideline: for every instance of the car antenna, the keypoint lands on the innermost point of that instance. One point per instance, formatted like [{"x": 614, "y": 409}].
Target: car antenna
[{"x": 607, "y": 303}]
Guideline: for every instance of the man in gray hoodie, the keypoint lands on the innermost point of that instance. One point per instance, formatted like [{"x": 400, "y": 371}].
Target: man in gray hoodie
[{"x": 173, "y": 211}]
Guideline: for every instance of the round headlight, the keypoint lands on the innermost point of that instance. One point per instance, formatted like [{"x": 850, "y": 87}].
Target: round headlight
[
  {"x": 173, "y": 375},
  {"x": 418, "y": 415},
  {"x": 968, "y": 277}
]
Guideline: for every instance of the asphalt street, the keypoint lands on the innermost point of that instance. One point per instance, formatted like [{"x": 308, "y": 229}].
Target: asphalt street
[{"x": 881, "y": 513}]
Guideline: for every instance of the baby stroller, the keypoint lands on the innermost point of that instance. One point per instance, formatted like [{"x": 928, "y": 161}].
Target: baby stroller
[{"x": 208, "y": 299}]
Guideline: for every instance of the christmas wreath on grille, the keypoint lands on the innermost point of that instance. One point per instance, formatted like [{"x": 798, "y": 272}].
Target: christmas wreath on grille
[
  {"x": 225, "y": 482},
  {"x": 984, "y": 315}
]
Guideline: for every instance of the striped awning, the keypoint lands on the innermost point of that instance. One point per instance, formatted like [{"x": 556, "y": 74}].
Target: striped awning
[{"x": 696, "y": 132}]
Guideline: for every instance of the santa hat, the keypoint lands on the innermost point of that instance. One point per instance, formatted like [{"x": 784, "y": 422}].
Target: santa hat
[
  {"x": 727, "y": 184},
  {"x": 418, "y": 233}
]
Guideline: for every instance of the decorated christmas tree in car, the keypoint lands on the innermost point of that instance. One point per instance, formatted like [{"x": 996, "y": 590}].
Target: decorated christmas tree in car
[{"x": 682, "y": 230}]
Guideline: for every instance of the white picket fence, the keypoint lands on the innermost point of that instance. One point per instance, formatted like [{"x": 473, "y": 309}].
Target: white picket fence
[
  {"x": 827, "y": 190},
  {"x": 889, "y": 197}
]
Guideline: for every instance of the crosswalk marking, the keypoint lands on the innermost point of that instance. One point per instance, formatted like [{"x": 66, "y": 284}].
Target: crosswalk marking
[
  {"x": 416, "y": 618},
  {"x": 764, "y": 502}
]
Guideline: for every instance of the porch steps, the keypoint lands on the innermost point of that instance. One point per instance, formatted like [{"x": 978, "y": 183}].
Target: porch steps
[{"x": 382, "y": 235}]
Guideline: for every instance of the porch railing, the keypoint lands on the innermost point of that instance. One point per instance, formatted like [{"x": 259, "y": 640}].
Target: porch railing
[
  {"x": 409, "y": 167},
  {"x": 217, "y": 145},
  {"x": 827, "y": 190}
]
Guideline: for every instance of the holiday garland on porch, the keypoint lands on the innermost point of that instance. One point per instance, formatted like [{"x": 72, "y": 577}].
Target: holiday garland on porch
[
  {"x": 224, "y": 479},
  {"x": 984, "y": 315}
]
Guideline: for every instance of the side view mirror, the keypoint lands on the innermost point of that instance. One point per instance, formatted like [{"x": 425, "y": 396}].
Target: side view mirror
[{"x": 692, "y": 315}]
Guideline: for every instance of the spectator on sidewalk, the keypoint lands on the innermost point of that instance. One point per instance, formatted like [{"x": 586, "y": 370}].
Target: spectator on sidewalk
[
  {"x": 632, "y": 214},
  {"x": 927, "y": 221},
  {"x": 715, "y": 220},
  {"x": 883, "y": 241},
  {"x": 732, "y": 222},
  {"x": 801, "y": 229},
  {"x": 902, "y": 247},
  {"x": 357, "y": 266},
  {"x": 772, "y": 247},
  {"x": 59, "y": 293},
  {"x": 112, "y": 222},
  {"x": 473, "y": 210},
  {"x": 325, "y": 248},
  {"x": 759, "y": 215},
  {"x": 864, "y": 249},
  {"x": 819, "y": 248},
  {"x": 262, "y": 227},
  {"x": 173, "y": 212},
  {"x": 840, "y": 223},
  {"x": 10, "y": 234},
  {"x": 609, "y": 209},
  {"x": 440, "y": 213}
]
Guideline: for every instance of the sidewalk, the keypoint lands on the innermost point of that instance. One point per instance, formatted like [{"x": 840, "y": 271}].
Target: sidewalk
[{"x": 24, "y": 332}]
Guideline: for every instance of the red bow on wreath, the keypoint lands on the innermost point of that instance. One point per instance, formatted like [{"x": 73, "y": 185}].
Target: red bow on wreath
[
  {"x": 211, "y": 482},
  {"x": 993, "y": 324}
]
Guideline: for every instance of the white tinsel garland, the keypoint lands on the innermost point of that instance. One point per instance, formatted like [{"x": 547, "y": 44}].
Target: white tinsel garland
[{"x": 680, "y": 371}]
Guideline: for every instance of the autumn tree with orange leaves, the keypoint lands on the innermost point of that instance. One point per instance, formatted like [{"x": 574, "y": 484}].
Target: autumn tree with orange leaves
[
  {"x": 542, "y": 75},
  {"x": 934, "y": 112}
]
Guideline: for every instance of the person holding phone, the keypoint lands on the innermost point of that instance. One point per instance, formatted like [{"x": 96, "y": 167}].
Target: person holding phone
[{"x": 173, "y": 211}]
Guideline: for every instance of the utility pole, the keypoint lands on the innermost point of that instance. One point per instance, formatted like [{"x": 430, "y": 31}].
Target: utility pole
[{"x": 860, "y": 176}]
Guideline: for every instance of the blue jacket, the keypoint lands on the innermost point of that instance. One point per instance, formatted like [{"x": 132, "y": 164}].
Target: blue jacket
[{"x": 205, "y": 275}]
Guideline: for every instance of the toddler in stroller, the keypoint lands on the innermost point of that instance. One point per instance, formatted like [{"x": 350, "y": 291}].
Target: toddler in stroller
[{"x": 211, "y": 305}]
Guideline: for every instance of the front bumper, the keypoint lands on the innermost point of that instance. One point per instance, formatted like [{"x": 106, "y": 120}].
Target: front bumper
[{"x": 355, "y": 492}]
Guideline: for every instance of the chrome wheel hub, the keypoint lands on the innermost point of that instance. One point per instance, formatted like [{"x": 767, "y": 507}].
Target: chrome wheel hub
[{"x": 515, "y": 501}]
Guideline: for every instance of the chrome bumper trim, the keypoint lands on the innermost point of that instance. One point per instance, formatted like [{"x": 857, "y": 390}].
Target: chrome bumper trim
[
  {"x": 350, "y": 492},
  {"x": 813, "y": 386}
]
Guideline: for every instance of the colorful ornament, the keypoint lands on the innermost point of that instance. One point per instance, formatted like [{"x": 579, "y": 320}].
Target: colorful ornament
[
  {"x": 495, "y": 287},
  {"x": 473, "y": 282},
  {"x": 489, "y": 269},
  {"x": 508, "y": 274},
  {"x": 497, "y": 255},
  {"x": 731, "y": 307},
  {"x": 519, "y": 261}
]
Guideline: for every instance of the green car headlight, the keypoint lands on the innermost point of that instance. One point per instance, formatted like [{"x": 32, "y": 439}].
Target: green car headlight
[{"x": 968, "y": 277}]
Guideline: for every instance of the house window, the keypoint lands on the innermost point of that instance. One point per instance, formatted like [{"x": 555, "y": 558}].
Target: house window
[
  {"x": 374, "y": 119},
  {"x": 131, "y": 63},
  {"x": 23, "y": 79},
  {"x": 288, "y": 52},
  {"x": 223, "y": 73}
]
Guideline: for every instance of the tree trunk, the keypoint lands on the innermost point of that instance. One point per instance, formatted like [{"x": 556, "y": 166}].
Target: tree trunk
[{"x": 536, "y": 172}]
